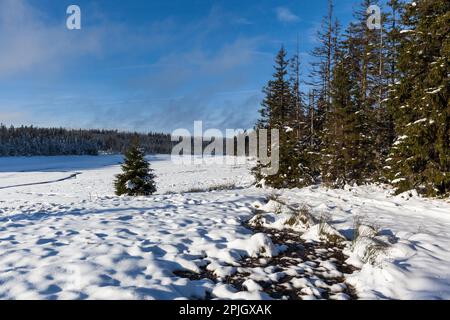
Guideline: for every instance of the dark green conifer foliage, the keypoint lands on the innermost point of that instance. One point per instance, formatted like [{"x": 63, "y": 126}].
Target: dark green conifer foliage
[
  {"x": 342, "y": 135},
  {"x": 280, "y": 110},
  {"x": 379, "y": 107},
  {"x": 420, "y": 103},
  {"x": 137, "y": 178}
]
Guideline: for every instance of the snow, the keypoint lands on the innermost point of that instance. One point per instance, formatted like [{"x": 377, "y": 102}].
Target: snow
[
  {"x": 65, "y": 235},
  {"x": 416, "y": 265},
  {"x": 318, "y": 232},
  {"x": 434, "y": 90},
  {"x": 420, "y": 121},
  {"x": 258, "y": 245},
  {"x": 129, "y": 185},
  {"x": 251, "y": 285}
]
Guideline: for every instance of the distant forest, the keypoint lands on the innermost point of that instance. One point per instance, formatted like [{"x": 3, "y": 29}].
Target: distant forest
[{"x": 32, "y": 141}]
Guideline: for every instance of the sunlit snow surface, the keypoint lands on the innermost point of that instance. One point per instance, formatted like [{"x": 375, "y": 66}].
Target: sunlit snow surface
[{"x": 64, "y": 235}]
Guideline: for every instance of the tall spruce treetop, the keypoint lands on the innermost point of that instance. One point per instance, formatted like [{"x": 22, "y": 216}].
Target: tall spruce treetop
[
  {"x": 298, "y": 121},
  {"x": 276, "y": 106},
  {"x": 321, "y": 80},
  {"x": 137, "y": 178},
  {"x": 420, "y": 104},
  {"x": 324, "y": 54},
  {"x": 392, "y": 43},
  {"x": 369, "y": 73}
]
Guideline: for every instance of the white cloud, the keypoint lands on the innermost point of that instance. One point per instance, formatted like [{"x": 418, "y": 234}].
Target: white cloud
[
  {"x": 286, "y": 15},
  {"x": 180, "y": 86},
  {"x": 31, "y": 43}
]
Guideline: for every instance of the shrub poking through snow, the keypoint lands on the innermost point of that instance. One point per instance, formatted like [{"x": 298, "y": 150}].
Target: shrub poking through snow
[
  {"x": 301, "y": 217},
  {"x": 366, "y": 245},
  {"x": 137, "y": 178}
]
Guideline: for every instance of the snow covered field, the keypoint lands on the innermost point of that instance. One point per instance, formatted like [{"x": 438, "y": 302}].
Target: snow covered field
[{"x": 64, "y": 235}]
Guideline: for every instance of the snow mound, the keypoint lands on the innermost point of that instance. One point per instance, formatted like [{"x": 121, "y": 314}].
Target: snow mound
[
  {"x": 226, "y": 291},
  {"x": 275, "y": 207},
  {"x": 323, "y": 232},
  {"x": 367, "y": 247},
  {"x": 221, "y": 271},
  {"x": 258, "y": 245},
  {"x": 277, "y": 215},
  {"x": 251, "y": 285}
]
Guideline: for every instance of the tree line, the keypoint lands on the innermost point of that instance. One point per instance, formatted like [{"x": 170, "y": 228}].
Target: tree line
[
  {"x": 32, "y": 141},
  {"x": 377, "y": 105}
]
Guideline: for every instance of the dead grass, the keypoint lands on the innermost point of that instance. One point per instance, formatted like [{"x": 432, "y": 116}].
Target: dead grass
[
  {"x": 375, "y": 247},
  {"x": 374, "y": 250},
  {"x": 301, "y": 215}
]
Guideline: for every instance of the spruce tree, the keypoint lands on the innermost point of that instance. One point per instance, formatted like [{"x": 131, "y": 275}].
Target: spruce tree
[
  {"x": 392, "y": 42},
  {"x": 307, "y": 169},
  {"x": 420, "y": 102},
  {"x": 342, "y": 159},
  {"x": 280, "y": 110},
  {"x": 137, "y": 178},
  {"x": 320, "y": 97},
  {"x": 324, "y": 55},
  {"x": 275, "y": 111},
  {"x": 388, "y": 76},
  {"x": 364, "y": 48}
]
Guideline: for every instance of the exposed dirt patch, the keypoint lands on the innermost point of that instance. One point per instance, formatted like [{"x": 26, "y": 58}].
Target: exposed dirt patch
[{"x": 304, "y": 270}]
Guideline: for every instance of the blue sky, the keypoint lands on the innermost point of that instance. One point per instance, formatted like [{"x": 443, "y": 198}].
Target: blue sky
[{"x": 147, "y": 65}]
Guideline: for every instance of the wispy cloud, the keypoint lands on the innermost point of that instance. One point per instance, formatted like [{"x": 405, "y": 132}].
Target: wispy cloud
[
  {"x": 192, "y": 80},
  {"x": 217, "y": 99},
  {"x": 29, "y": 44},
  {"x": 242, "y": 21},
  {"x": 168, "y": 73},
  {"x": 285, "y": 15}
]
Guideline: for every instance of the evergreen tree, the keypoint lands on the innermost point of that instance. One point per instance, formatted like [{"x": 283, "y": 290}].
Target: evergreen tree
[
  {"x": 280, "y": 109},
  {"x": 137, "y": 178},
  {"x": 322, "y": 70},
  {"x": 363, "y": 45},
  {"x": 298, "y": 121},
  {"x": 371, "y": 86},
  {"x": 388, "y": 77},
  {"x": 342, "y": 158},
  {"x": 303, "y": 149},
  {"x": 324, "y": 54},
  {"x": 320, "y": 96},
  {"x": 392, "y": 43},
  {"x": 420, "y": 102}
]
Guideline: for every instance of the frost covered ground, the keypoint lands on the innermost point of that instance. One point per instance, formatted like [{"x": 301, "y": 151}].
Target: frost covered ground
[{"x": 64, "y": 235}]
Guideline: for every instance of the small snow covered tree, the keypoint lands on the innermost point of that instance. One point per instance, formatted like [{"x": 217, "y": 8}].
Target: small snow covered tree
[{"x": 137, "y": 178}]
